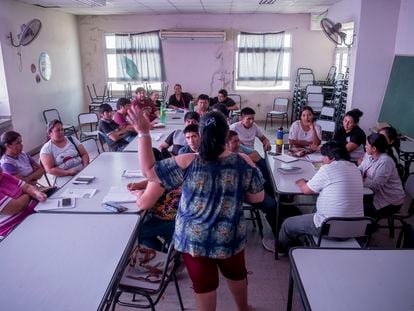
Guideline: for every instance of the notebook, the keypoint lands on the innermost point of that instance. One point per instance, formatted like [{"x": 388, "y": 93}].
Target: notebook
[
  {"x": 83, "y": 179},
  {"x": 119, "y": 195},
  {"x": 288, "y": 170}
]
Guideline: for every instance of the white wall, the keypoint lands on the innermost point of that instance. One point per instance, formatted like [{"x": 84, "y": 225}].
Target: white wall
[
  {"x": 59, "y": 38},
  {"x": 405, "y": 33},
  {"x": 198, "y": 66}
]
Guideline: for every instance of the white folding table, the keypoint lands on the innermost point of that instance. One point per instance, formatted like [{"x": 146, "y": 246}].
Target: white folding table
[{"x": 64, "y": 262}]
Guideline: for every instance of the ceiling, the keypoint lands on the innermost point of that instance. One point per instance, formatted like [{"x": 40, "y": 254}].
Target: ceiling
[{"x": 79, "y": 7}]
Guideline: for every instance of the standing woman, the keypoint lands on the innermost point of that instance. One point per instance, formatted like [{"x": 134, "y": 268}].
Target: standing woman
[
  {"x": 15, "y": 161},
  {"x": 351, "y": 135},
  {"x": 62, "y": 156},
  {"x": 380, "y": 174},
  {"x": 210, "y": 229},
  {"x": 305, "y": 132}
]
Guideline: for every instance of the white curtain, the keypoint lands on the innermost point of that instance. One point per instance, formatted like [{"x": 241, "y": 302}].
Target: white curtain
[
  {"x": 139, "y": 57},
  {"x": 260, "y": 58}
]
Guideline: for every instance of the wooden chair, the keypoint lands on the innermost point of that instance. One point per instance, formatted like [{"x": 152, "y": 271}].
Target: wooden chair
[{"x": 279, "y": 111}]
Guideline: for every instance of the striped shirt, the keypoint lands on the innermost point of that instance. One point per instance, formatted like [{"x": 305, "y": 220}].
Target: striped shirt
[{"x": 340, "y": 189}]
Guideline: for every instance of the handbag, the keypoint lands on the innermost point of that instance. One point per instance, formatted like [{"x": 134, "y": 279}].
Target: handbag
[{"x": 145, "y": 264}]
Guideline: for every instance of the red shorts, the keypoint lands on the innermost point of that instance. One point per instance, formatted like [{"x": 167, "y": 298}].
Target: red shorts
[{"x": 204, "y": 273}]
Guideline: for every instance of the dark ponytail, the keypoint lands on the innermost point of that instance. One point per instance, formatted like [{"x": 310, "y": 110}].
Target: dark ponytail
[
  {"x": 213, "y": 132},
  {"x": 7, "y": 139}
]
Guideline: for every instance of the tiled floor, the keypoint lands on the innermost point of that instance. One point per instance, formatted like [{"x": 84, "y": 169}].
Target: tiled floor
[{"x": 268, "y": 279}]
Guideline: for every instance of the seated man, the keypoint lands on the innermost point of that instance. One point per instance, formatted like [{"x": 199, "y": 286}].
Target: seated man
[
  {"x": 120, "y": 116},
  {"x": 147, "y": 105},
  {"x": 177, "y": 139},
  {"x": 192, "y": 138},
  {"x": 202, "y": 104},
  {"x": 161, "y": 222},
  {"x": 179, "y": 99},
  {"x": 248, "y": 130},
  {"x": 116, "y": 138},
  {"x": 223, "y": 99},
  {"x": 340, "y": 189}
]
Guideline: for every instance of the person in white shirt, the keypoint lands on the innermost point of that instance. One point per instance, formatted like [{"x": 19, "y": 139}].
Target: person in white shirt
[
  {"x": 305, "y": 132},
  {"x": 340, "y": 189},
  {"x": 248, "y": 130},
  {"x": 380, "y": 173}
]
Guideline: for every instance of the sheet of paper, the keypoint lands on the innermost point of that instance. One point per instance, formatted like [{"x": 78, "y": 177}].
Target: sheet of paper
[
  {"x": 52, "y": 204},
  {"x": 119, "y": 195},
  {"x": 285, "y": 158},
  {"x": 132, "y": 174},
  {"x": 78, "y": 193},
  {"x": 314, "y": 157}
]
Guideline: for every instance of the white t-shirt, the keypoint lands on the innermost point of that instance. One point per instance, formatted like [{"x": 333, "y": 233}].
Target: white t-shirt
[
  {"x": 66, "y": 157},
  {"x": 296, "y": 132},
  {"x": 340, "y": 189},
  {"x": 247, "y": 135}
]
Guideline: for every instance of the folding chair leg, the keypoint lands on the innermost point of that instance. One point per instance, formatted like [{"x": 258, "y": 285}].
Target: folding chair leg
[
  {"x": 259, "y": 222},
  {"x": 177, "y": 288},
  {"x": 391, "y": 227}
]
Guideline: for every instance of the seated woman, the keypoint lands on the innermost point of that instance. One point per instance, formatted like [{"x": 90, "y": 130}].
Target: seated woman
[
  {"x": 162, "y": 219},
  {"x": 15, "y": 161},
  {"x": 391, "y": 135},
  {"x": 305, "y": 133},
  {"x": 61, "y": 155},
  {"x": 17, "y": 201},
  {"x": 380, "y": 174},
  {"x": 351, "y": 135}
]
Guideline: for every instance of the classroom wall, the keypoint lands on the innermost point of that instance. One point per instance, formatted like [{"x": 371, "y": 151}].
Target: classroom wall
[
  {"x": 405, "y": 32},
  {"x": 199, "y": 66},
  {"x": 59, "y": 38}
]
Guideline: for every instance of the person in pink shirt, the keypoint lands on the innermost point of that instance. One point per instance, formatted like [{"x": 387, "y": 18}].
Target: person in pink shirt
[
  {"x": 17, "y": 201},
  {"x": 120, "y": 116}
]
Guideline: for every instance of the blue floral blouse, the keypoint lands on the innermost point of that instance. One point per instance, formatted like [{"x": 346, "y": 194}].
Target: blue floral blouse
[{"x": 210, "y": 220}]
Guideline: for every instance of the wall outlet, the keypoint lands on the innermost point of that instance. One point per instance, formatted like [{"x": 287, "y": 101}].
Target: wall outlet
[{"x": 258, "y": 105}]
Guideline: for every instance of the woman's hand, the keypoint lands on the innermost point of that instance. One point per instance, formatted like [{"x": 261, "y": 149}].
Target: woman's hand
[
  {"x": 139, "y": 119},
  {"x": 40, "y": 196}
]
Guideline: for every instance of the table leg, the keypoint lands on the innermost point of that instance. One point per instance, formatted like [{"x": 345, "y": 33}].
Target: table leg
[
  {"x": 290, "y": 292},
  {"x": 277, "y": 225}
]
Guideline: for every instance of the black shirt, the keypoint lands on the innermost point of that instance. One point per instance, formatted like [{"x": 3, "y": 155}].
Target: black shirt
[
  {"x": 356, "y": 136},
  {"x": 108, "y": 127},
  {"x": 184, "y": 100},
  {"x": 228, "y": 102}
]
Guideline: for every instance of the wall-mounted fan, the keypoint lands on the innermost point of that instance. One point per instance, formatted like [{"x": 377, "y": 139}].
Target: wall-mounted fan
[
  {"x": 28, "y": 33},
  {"x": 333, "y": 32}
]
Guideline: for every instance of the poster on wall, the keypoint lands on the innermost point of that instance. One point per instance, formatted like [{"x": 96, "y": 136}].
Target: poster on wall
[{"x": 45, "y": 66}]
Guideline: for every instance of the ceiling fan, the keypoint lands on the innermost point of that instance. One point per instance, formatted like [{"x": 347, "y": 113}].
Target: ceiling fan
[{"x": 333, "y": 32}]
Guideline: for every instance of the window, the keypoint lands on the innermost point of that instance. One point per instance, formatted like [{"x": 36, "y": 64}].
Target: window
[
  {"x": 342, "y": 51},
  {"x": 135, "y": 59},
  {"x": 263, "y": 61}
]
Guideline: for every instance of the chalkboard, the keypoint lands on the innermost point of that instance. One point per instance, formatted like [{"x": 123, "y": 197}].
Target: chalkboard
[{"x": 398, "y": 105}]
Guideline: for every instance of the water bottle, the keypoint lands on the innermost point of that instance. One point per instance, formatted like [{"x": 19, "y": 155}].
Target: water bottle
[
  {"x": 279, "y": 140},
  {"x": 163, "y": 116},
  {"x": 191, "y": 106}
]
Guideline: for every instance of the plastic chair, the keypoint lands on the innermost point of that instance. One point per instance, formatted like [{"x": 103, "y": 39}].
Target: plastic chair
[
  {"x": 401, "y": 216},
  {"x": 279, "y": 111},
  {"x": 95, "y": 101},
  {"x": 341, "y": 232},
  {"x": 327, "y": 113},
  {"x": 150, "y": 292},
  {"x": 53, "y": 114},
  {"x": 311, "y": 88},
  {"x": 315, "y": 100},
  {"x": 304, "y": 79},
  {"x": 88, "y": 121},
  {"x": 91, "y": 146},
  {"x": 331, "y": 75},
  {"x": 328, "y": 129}
]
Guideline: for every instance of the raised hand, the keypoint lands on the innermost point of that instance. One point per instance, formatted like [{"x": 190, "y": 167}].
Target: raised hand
[{"x": 138, "y": 119}]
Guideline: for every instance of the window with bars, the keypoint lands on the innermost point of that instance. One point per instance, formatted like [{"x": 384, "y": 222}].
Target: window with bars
[
  {"x": 263, "y": 61},
  {"x": 135, "y": 59},
  {"x": 342, "y": 51}
]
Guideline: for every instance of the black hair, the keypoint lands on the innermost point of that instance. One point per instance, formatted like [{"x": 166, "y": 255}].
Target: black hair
[
  {"x": 203, "y": 97},
  {"x": 355, "y": 114},
  {"x": 392, "y": 134},
  {"x": 122, "y": 102},
  {"x": 139, "y": 89},
  {"x": 191, "y": 128},
  {"x": 7, "y": 139},
  {"x": 192, "y": 115},
  {"x": 178, "y": 84},
  {"x": 213, "y": 132},
  {"x": 52, "y": 124},
  {"x": 223, "y": 92},
  {"x": 247, "y": 111},
  {"x": 378, "y": 141},
  {"x": 308, "y": 108},
  {"x": 231, "y": 135},
  {"x": 221, "y": 108},
  {"x": 105, "y": 108},
  {"x": 335, "y": 151}
]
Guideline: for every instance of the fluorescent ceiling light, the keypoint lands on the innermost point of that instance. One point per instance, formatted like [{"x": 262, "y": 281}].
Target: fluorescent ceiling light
[{"x": 92, "y": 3}]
